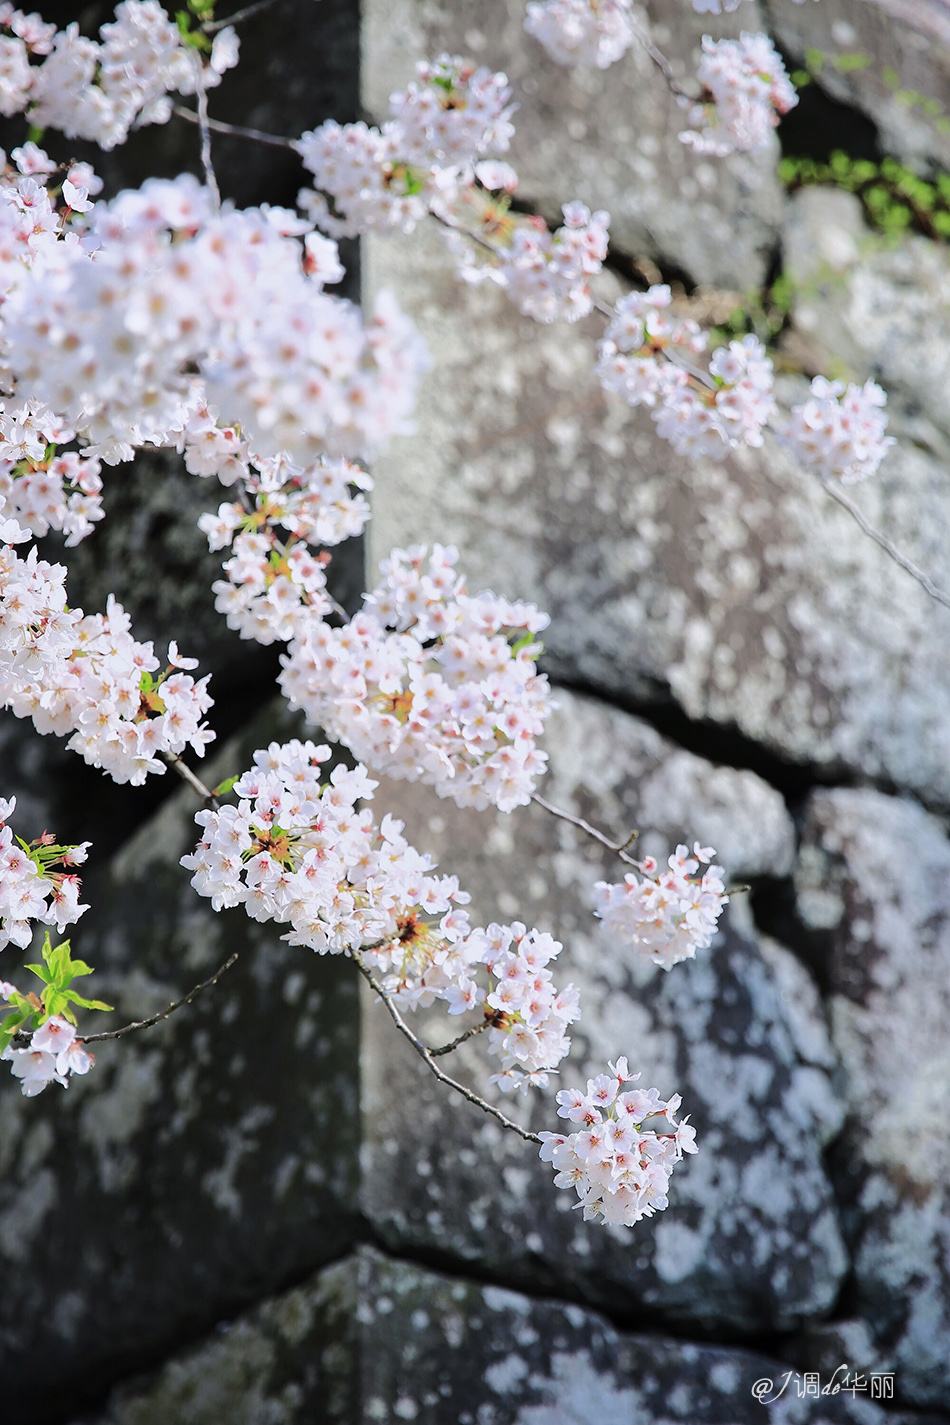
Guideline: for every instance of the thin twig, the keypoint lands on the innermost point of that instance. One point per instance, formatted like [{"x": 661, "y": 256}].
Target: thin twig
[
  {"x": 201, "y": 94},
  {"x": 218, "y": 126},
  {"x": 469, "y": 1034},
  {"x": 210, "y": 27},
  {"x": 157, "y": 1018},
  {"x": 619, "y": 848},
  {"x": 659, "y": 59},
  {"x": 426, "y": 1055},
  {"x": 187, "y": 775},
  {"x": 857, "y": 514}
]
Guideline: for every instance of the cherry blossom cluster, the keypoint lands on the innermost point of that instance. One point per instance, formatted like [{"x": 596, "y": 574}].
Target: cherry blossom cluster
[
  {"x": 545, "y": 274},
  {"x": 86, "y": 675},
  {"x": 668, "y": 915},
  {"x": 588, "y": 32},
  {"x": 179, "y": 307},
  {"x": 390, "y": 178},
  {"x": 527, "y": 1014},
  {"x": 54, "y": 1052},
  {"x": 275, "y": 585},
  {"x": 98, "y": 90},
  {"x": 839, "y": 430},
  {"x": 746, "y": 90},
  {"x": 647, "y": 356},
  {"x": 430, "y": 683},
  {"x": 297, "y": 851},
  {"x": 37, "y": 882},
  {"x": 619, "y": 1162}
]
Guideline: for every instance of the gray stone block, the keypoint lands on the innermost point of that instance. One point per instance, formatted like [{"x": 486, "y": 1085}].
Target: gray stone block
[
  {"x": 372, "y": 1341},
  {"x": 202, "y": 1163},
  {"x": 873, "y": 880}
]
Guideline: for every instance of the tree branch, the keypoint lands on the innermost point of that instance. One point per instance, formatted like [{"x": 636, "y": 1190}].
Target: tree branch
[
  {"x": 469, "y": 1034},
  {"x": 201, "y": 95},
  {"x": 210, "y": 27},
  {"x": 619, "y": 848},
  {"x": 426, "y": 1055},
  {"x": 217, "y": 126},
  {"x": 858, "y": 515},
  {"x": 187, "y": 775},
  {"x": 157, "y": 1018}
]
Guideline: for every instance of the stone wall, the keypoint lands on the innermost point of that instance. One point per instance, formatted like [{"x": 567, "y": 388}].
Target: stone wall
[{"x": 265, "y": 1212}]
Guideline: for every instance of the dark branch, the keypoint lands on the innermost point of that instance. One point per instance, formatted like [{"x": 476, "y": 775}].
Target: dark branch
[{"x": 157, "y": 1018}]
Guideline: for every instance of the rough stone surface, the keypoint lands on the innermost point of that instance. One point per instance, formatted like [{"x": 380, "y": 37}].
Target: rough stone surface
[
  {"x": 872, "y": 882},
  {"x": 751, "y": 1241},
  {"x": 740, "y": 586},
  {"x": 909, "y": 38},
  {"x": 202, "y": 1163},
  {"x": 873, "y": 306},
  {"x": 608, "y": 137},
  {"x": 372, "y": 1341},
  {"x": 623, "y": 774}
]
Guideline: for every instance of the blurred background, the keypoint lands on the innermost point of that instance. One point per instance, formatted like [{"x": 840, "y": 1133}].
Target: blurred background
[{"x": 263, "y": 1212}]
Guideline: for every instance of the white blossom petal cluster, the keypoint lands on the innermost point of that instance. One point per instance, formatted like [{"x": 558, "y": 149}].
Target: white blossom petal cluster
[
  {"x": 42, "y": 486},
  {"x": 34, "y": 884},
  {"x": 588, "y": 32},
  {"x": 178, "y": 307},
  {"x": 297, "y": 851},
  {"x": 387, "y": 178},
  {"x": 668, "y": 915},
  {"x": 276, "y": 585},
  {"x": 839, "y": 430},
  {"x": 546, "y": 274},
  {"x": 86, "y": 675},
  {"x": 748, "y": 90},
  {"x": 647, "y": 356},
  {"x": 54, "y": 1052},
  {"x": 100, "y": 89},
  {"x": 621, "y": 1158},
  {"x": 430, "y": 683}
]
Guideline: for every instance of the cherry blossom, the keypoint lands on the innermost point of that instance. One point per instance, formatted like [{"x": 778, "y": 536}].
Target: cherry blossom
[
  {"x": 589, "y": 32},
  {"x": 87, "y": 676},
  {"x": 36, "y": 882},
  {"x": 648, "y": 356},
  {"x": 748, "y": 90},
  {"x": 430, "y": 683},
  {"x": 839, "y": 430},
  {"x": 447, "y": 118},
  {"x": 667, "y": 915},
  {"x": 620, "y": 1161}
]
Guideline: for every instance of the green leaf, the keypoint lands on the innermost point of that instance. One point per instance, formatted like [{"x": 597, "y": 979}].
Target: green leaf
[
  {"x": 42, "y": 971},
  {"x": 74, "y": 998},
  {"x": 800, "y": 78},
  {"x": 814, "y": 59},
  {"x": 222, "y": 789}
]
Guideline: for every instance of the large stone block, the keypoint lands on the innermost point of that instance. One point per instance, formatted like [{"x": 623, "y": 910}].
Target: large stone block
[
  {"x": 750, "y": 1241},
  {"x": 872, "y": 881},
  {"x": 902, "y": 80},
  {"x": 202, "y": 1163},
  {"x": 741, "y": 587},
  {"x": 606, "y": 137},
  {"x": 372, "y": 1341}
]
